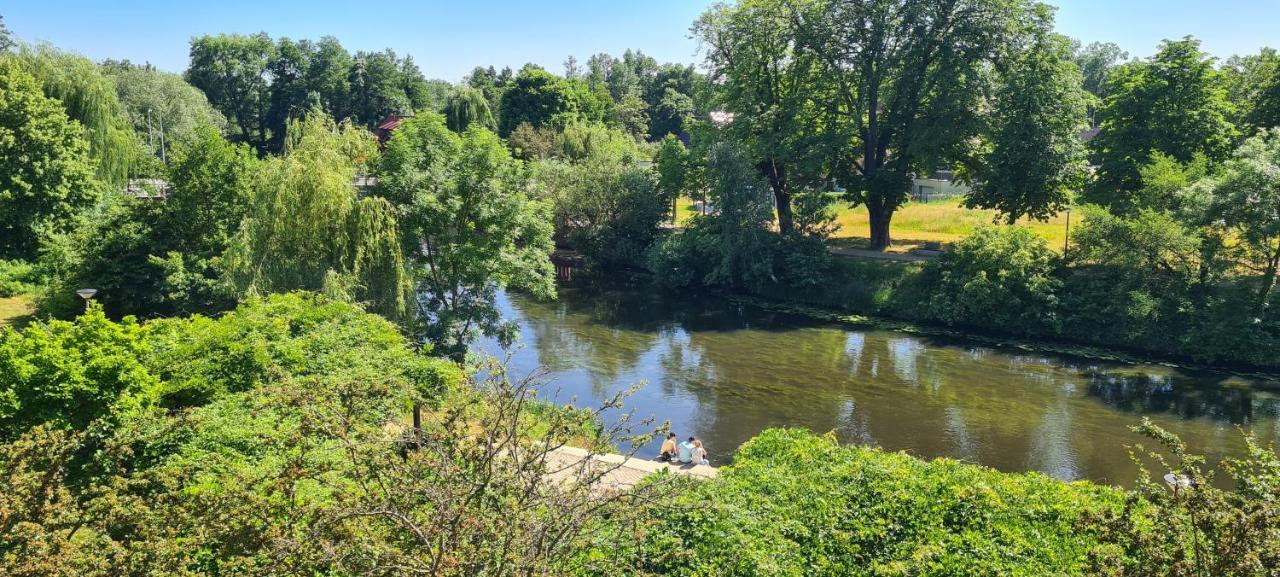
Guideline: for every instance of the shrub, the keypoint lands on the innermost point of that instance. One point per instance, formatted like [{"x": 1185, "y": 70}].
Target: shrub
[
  {"x": 17, "y": 278},
  {"x": 997, "y": 278},
  {"x": 798, "y": 504}
]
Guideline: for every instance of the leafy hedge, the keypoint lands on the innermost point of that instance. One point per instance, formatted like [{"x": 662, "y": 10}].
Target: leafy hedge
[{"x": 794, "y": 503}]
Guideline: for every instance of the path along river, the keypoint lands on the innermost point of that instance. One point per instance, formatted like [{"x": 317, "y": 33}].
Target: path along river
[{"x": 723, "y": 372}]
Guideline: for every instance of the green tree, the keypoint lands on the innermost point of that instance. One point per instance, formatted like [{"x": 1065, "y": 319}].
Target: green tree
[
  {"x": 1036, "y": 159},
  {"x": 1174, "y": 103},
  {"x": 1259, "y": 89},
  {"x": 536, "y": 97},
  {"x": 1096, "y": 62},
  {"x": 1001, "y": 278},
  {"x": 308, "y": 229},
  {"x": 46, "y": 174},
  {"x": 769, "y": 87},
  {"x": 466, "y": 106},
  {"x": 1248, "y": 201},
  {"x": 6, "y": 37},
  {"x": 232, "y": 72},
  {"x": 70, "y": 374},
  {"x": 907, "y": 83},
  {"x": 164, "y": 111},
  {"x": 471, "y": 226},
  {"x": 89, "y": 97}
]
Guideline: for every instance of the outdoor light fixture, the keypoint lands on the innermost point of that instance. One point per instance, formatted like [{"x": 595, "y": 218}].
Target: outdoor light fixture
[{"x": 87, "y": 293}]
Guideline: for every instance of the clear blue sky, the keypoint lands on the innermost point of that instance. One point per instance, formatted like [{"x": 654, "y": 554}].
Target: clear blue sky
[{"x": 449, "y": 38}]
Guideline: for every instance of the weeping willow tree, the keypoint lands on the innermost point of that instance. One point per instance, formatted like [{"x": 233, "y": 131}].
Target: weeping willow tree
[
  {"x": 307, "y": 229},
  {"x": 466, "y": 106},
  {"x": 89, "y": 97}
]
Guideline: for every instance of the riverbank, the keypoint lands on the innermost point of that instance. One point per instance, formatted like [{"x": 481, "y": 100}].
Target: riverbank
[{"x": 1270, "y": 379}]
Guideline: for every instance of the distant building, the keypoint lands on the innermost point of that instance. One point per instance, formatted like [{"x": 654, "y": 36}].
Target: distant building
[
  {"x": 940, "y": 184},
  {"x": 148, "y": 188},
  {"x": 389, "y": 125}
]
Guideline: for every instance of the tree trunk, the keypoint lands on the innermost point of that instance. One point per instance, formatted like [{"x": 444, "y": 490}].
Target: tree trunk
[
  {"x": 1268, "y": 281},
  {"x": 879, "y": 218},
  {"x": 777, "y": 176},
  {"x": 786, "y": 223}
]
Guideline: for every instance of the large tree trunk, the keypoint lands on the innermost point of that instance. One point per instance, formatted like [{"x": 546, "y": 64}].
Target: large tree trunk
[
  {"x": 777, "y": 176},
  {"x": 1268, "y": 282},
  {"x": 879, "y": 218}
]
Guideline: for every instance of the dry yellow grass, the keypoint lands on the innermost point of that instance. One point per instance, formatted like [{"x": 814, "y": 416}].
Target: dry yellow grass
[
  {"x": 15, "y": 311},
  {"x": 941, "y": 221},
  {"x": 919, "y": 222}
]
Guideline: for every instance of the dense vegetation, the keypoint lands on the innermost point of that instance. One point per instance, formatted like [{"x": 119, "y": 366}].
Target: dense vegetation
[{"x": 274, "y": 375}]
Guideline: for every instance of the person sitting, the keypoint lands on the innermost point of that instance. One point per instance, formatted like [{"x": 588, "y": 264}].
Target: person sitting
[
  {"x": 668, "y": 449},
  {"x": 686, "y": 452},
  {"x": 699, "y": 453}
]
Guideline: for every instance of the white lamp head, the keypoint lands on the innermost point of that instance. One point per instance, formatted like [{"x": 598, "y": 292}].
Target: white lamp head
[{"x": 87, "y": 293}]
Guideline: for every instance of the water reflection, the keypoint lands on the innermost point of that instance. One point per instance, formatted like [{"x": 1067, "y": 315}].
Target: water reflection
[{"x": 723, "y": 372}]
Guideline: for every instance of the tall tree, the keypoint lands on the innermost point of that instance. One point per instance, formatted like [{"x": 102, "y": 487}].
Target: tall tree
[
  {"x": 1258, "y": 94},
  {"x": 1174, "y": 103},
  {"x": 537, "y": 97},
  {"x": 232, "y": 72},
  {"x": 164, "y": 111},
  {"x": 768, "y": 84},
  {"x": 470, "y": 225},
  {"x": 46, "y": 174},
  {"x": 467, "y": 106},
  {"x": 6, "y": 37},
  {"x": 908, "y": 80},
  {"x": 308, "y": 229},
  {"x": 1248, "y": 200},
  {"x": 1096, "y": 61},
  {"x": 89, "y": 97},
  {"x": 1034, "y": 159}
]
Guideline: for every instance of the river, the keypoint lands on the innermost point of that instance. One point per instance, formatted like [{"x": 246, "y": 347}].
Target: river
[{"x": 723, "y": 371}]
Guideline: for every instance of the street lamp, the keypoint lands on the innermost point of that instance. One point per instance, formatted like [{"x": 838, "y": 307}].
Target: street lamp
[{"x": 86, "y": 294}]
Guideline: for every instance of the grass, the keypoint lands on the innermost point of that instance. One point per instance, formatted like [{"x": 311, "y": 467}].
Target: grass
[
  {"x": 15, "y": 311},
  {"x": 916, "y": 223},
  {"x": 943, "y": 220}
]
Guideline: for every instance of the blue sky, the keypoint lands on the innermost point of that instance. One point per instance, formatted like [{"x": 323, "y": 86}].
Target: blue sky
[{"x": 448, "y": 39}]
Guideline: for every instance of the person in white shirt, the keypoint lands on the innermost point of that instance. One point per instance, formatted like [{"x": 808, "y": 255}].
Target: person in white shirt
[{"x": 699, "y": 453}]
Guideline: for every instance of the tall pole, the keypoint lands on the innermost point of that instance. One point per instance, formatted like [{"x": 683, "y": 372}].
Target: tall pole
[{"x": 1067, "y": 239}]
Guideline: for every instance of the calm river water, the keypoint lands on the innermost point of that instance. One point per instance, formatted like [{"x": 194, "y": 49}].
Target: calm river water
[{"x": 723, "y": 372}]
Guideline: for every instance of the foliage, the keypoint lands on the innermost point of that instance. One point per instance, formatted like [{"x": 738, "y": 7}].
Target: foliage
[
  {"x": 794, "y": 503},
  {"x": 221, "y": 486},
  {"x": 538, "y": 97},
  {"x": 1174, "y": 103},
  {"x": 1248, "y": 201},
  {"x": 150, "y": 258},
  {"x": 231, "y": 70},
  {"x": 308, "y": 229},
  {"x": 904, "y": 84},
  {"x": 467, "y": 106},
  {"x": 17, "y": 278},
  {"x": 89, "y": 97},
  {"x": 998, "y": 278},
  {"x": 605, "y": 206},
  {"x": 46, "y": 173},
  {"x": 71, "y": 374},
  {"x": 1191, "y": 527},
  {"x": 1036, "y": 160},
  {"x": 768, "y": 84},
  {"x": 262, "y": 85},
  {"x": 466, "y": 210},
  {"x": 164, "y": 111},
  {"x": 1095, "y": 62}
]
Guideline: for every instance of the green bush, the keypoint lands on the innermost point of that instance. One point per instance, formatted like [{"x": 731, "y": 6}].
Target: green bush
[
  {"x": 17, "y": 278},
  {"x": 997, "y": 278},
  {"x": 794, "y": 503}
]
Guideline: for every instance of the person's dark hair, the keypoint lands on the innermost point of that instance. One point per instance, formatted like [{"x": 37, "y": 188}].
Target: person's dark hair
[
  {"x": 671, "y": 436},
  {"x": 690, "y": 439}
]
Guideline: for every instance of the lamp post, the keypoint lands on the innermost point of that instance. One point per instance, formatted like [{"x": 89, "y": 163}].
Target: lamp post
[{"x": 86, "y": 294}]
